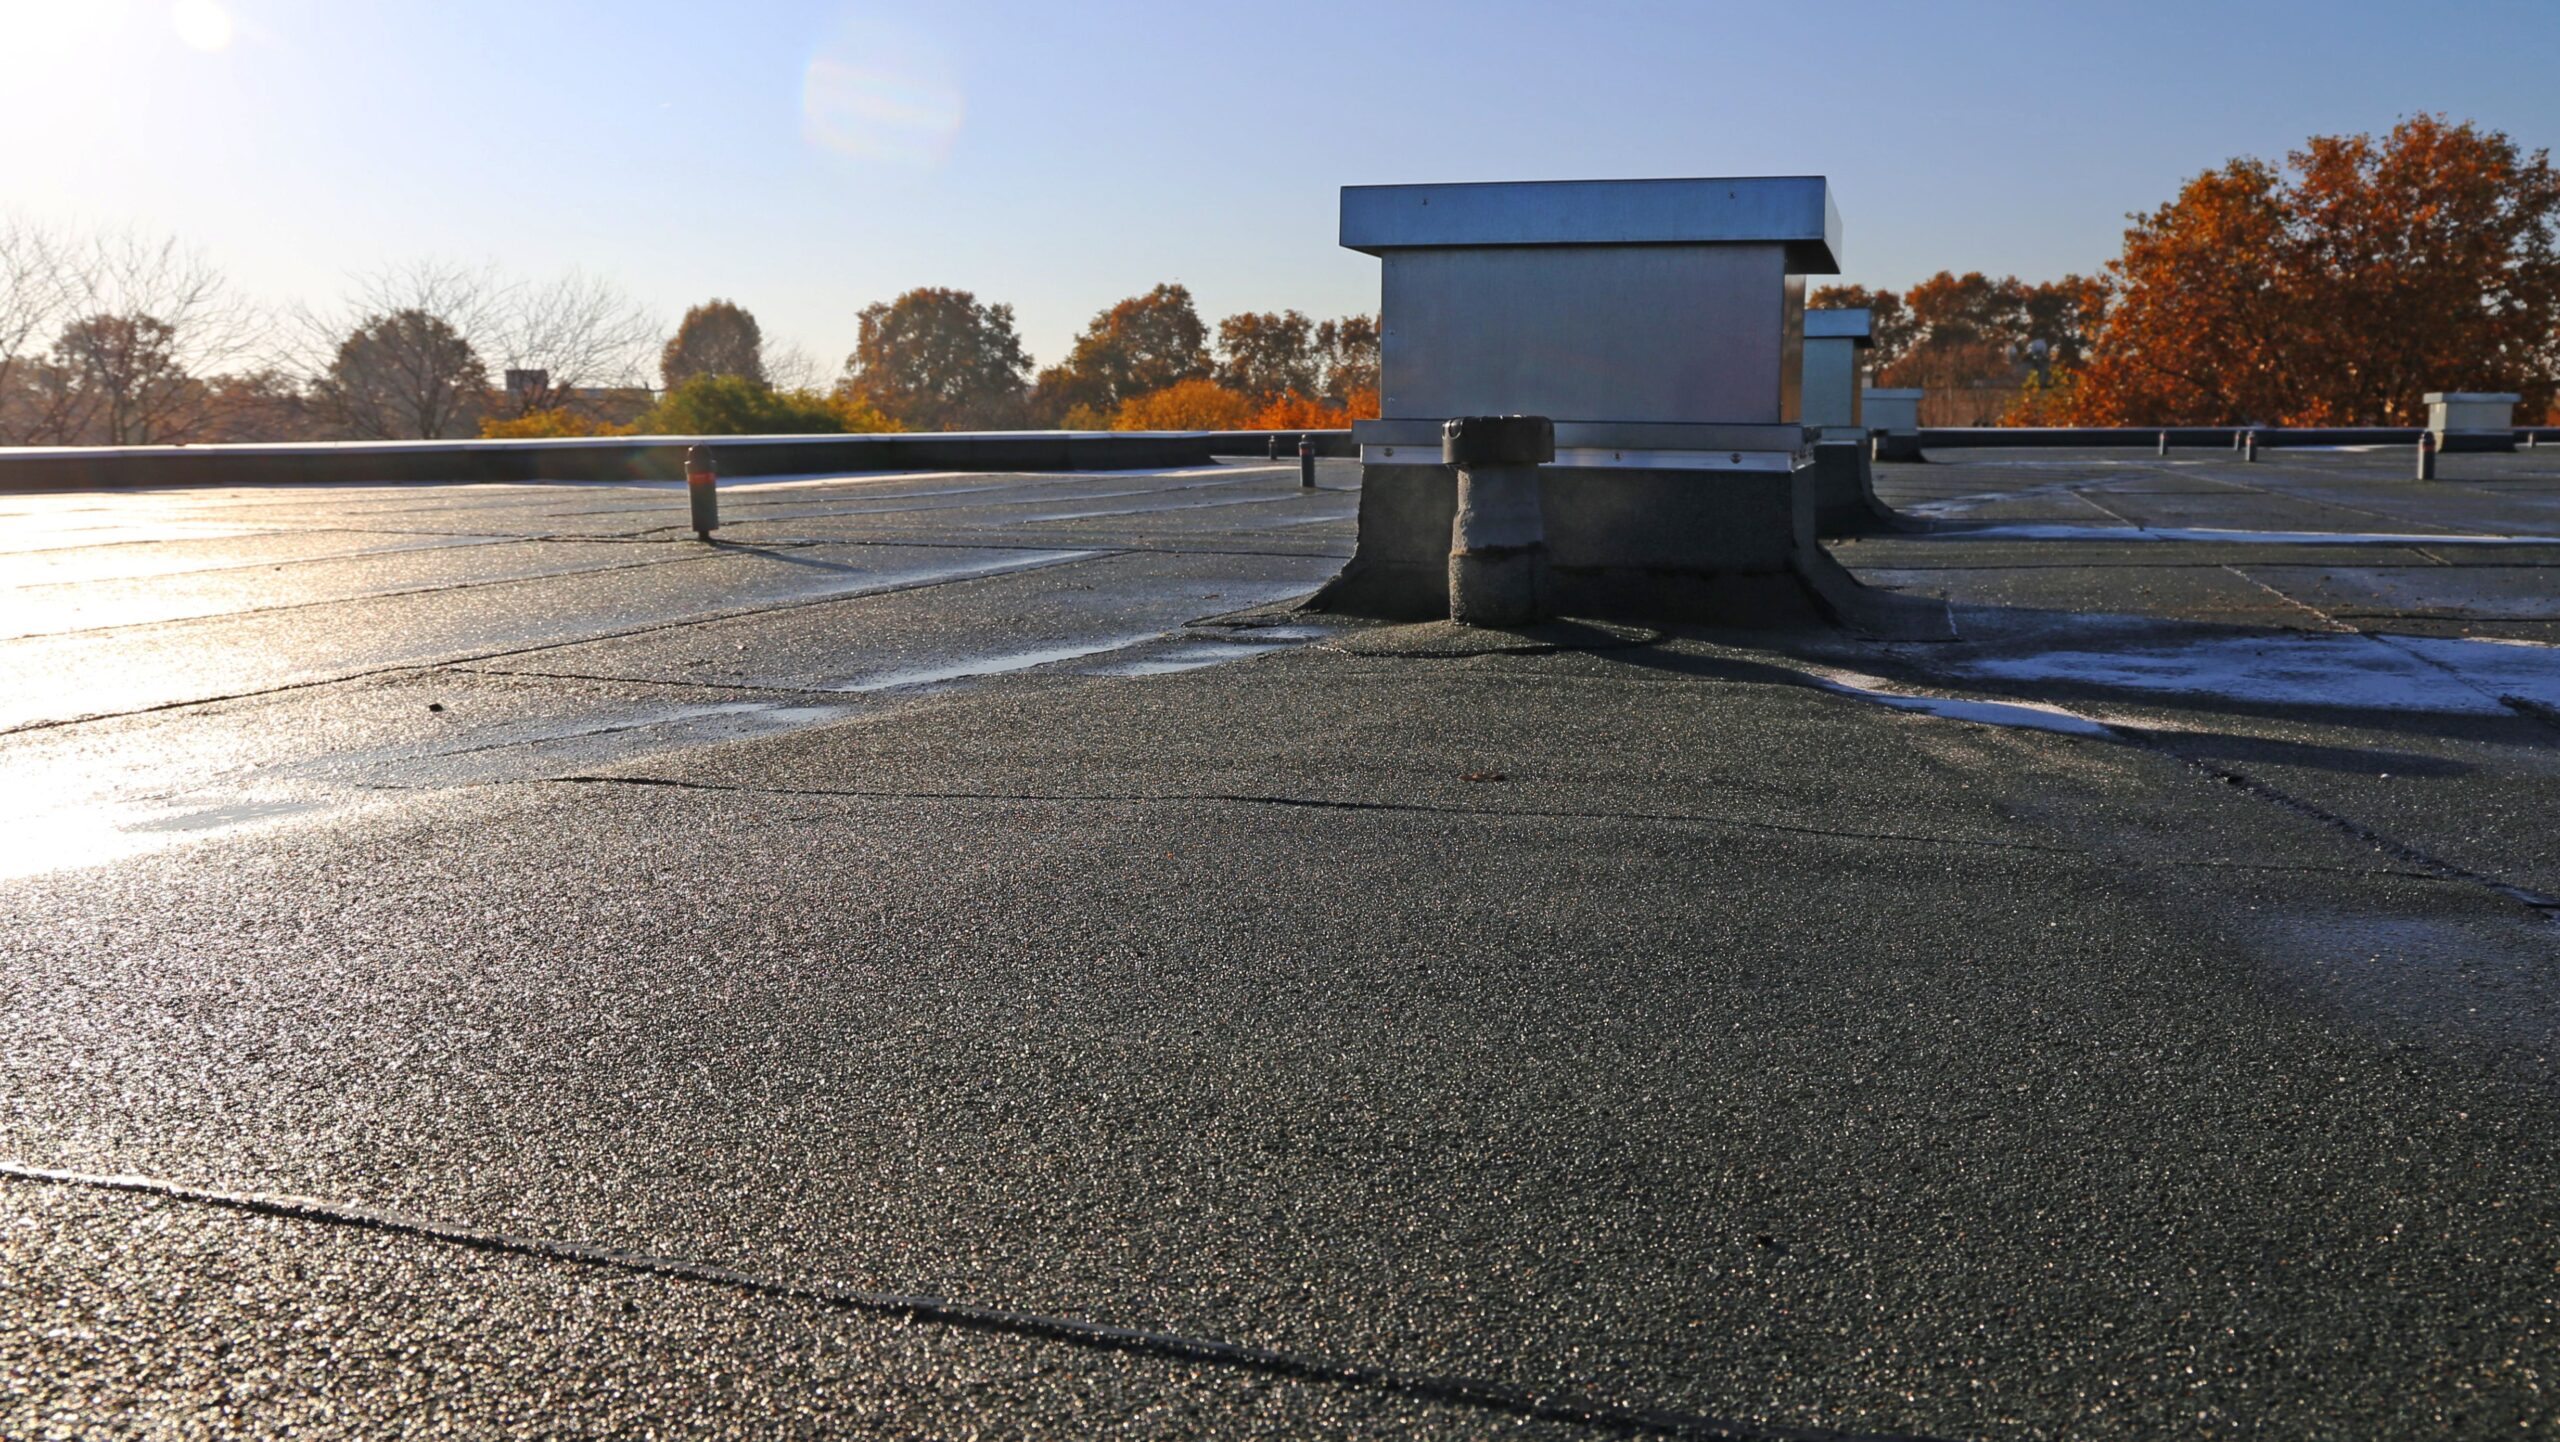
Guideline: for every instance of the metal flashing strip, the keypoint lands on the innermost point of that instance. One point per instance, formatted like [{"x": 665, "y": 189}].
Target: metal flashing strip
[
  {"x": 1840, "y": 323},
  {"x": 1607, "y": 435},
  {"x": 1604, "y": 458}
]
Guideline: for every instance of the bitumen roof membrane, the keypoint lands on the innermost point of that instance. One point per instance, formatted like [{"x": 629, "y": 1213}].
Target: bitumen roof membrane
[{"x": 648, "y": 962}]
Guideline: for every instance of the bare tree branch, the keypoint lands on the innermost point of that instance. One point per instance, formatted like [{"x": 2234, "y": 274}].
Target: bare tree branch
[
  {"x": 131, "y": 274},
  {"x": 36, "y": 287},
  {"x": 400, "y": 356},
  {"x": 792, "y": 368},
  {"x": 577, "y": 331},
  {"x": 146, "y": 319}
]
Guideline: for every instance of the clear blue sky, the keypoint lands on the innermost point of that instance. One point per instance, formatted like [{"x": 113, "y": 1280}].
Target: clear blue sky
[{"x": 807, "y": 157}]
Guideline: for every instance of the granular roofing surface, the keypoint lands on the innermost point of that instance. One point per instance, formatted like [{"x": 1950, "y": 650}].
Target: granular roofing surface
[{"x": 653, "y": 962}]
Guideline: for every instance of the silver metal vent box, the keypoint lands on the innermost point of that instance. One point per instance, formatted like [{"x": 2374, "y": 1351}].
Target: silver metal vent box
[{"x": 1626, "y": 301}]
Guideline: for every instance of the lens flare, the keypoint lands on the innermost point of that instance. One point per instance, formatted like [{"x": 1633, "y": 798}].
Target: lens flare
[
  {"x": 202, "y": 24},
  {"x": 883, "y": 93}
]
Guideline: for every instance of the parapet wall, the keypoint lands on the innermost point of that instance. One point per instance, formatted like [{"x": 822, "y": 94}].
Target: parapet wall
[
  {"x": 1328, "y": 445},
  {"x": 2183, "y": 436},
  {"x": 622, "y": 458}
]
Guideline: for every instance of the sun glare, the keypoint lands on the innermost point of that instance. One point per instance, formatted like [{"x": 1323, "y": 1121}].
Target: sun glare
[
  {"x": 202, "y": 24},
  {"x": 883, "y": 93}
]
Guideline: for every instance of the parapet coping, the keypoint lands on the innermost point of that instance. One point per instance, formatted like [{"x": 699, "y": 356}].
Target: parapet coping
[
  {"x": 1795, "y": 211},
  {"x": 1841, "y": 323}
]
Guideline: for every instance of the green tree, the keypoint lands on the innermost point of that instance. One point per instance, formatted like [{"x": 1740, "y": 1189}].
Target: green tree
[
  {"x": 557, "y": 423},
  {"x": 728, "y": 405},
  {"x": 936, "y": 360},
  {"x": 1142, "y": 345},
  {"x": 1266, "y": 356},
  {"x": 716, "y": 338},
  {"x": 408, "y": 374}
]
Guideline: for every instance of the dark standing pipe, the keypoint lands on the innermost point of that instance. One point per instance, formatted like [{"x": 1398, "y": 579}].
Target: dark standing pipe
[
  {"x": 2426, "y": 455},
  {"x": 1307, "y": 461},
  {"x": 702, "y": 485}
]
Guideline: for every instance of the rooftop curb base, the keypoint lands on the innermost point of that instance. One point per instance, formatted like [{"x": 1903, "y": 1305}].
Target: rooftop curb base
[
  {"x": 1724, "y": 548},
  {"x": 1844, "y": 494}
]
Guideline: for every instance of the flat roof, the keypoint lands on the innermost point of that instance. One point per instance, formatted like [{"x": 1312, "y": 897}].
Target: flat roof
[{"x": 1791, "y": 210}]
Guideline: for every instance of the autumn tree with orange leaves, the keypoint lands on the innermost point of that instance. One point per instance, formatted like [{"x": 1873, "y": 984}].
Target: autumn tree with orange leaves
[
  {"x": 1192, "y": 405},
  {"x": 1976, "y": 343},
  {"x": 2337, "y": 291}
]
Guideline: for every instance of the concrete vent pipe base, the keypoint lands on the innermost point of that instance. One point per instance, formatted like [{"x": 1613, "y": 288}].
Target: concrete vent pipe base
[
  {"x": 1719, "y": 548},
  {"x": 1498, "y": 546}
]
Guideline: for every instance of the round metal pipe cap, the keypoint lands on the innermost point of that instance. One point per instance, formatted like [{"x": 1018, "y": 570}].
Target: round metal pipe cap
[{"x": 1498, "y": 441}]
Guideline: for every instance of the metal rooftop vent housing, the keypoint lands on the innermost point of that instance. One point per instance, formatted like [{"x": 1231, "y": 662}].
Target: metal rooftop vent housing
[
  {"x": 1832, "y": 341},
  {"x": 1608, "y": 302},
  {"x": 1844, "y": 483},
  {"x": 2473, "y": 420},
  {"x": 1658, "y": 323}
]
